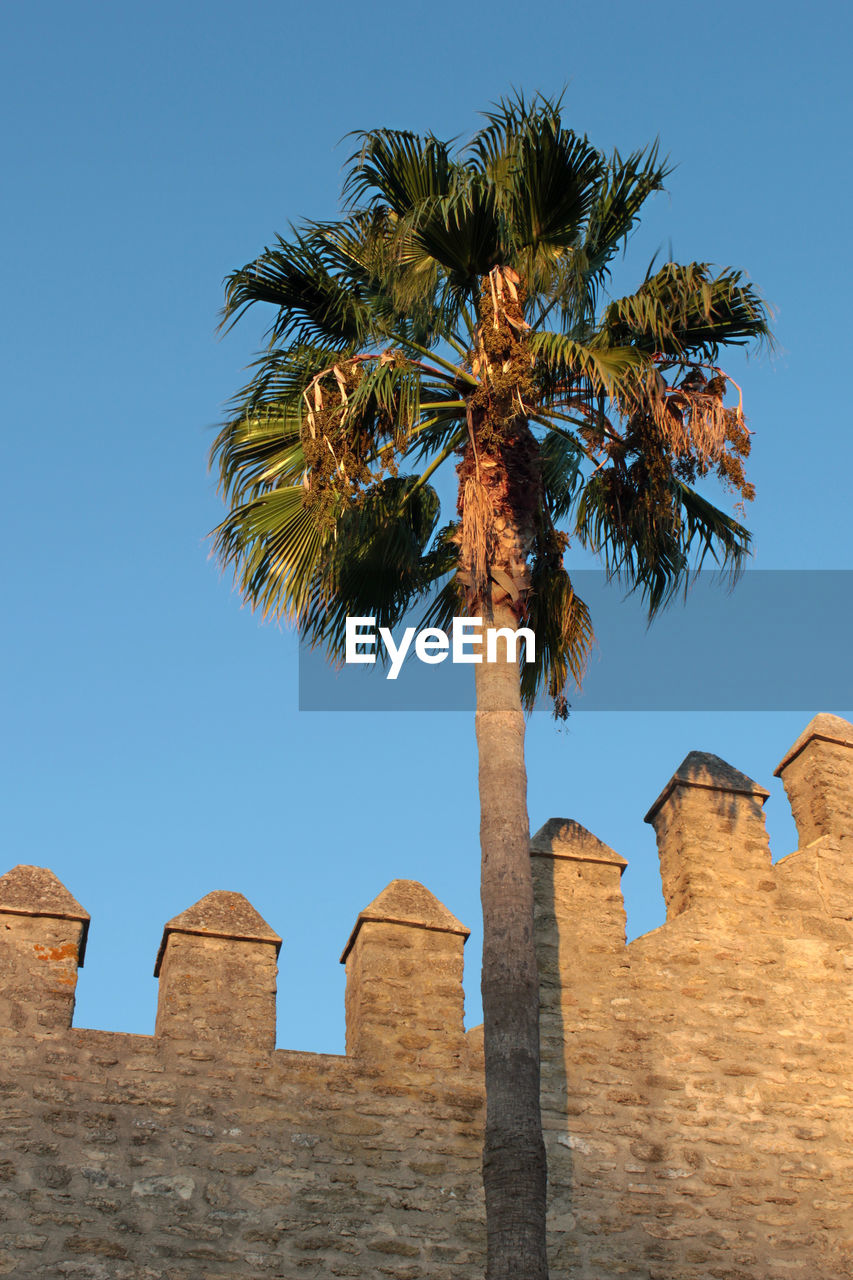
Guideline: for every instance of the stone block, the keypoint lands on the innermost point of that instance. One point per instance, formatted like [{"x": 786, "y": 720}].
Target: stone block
[
  {"x": 404, "y": 997},
  {"x": 817, "y": 773},
  {"x": 579, "y": 908},
  {"x": 43, "y": 932},
  {"x": 217, "y": 971},
  {"x": 712, "y": 840}
]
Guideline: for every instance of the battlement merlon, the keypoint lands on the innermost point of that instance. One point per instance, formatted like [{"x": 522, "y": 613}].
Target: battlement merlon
[
  {"x": 44, "y": 934},
  {"x": 575, "y": 881},
  {"x": 817, "y": 773},
  {"x": 404, "y": 996},
  {"x": 217, "y": 970},
  {"x": 712, "y": 840}
]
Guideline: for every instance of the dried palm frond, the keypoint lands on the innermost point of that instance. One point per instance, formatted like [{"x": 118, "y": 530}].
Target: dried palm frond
[{"x": 478, "y": 534}]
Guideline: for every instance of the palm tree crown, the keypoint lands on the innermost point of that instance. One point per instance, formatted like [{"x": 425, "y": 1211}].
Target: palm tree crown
[{"x": 458, "y": 312}]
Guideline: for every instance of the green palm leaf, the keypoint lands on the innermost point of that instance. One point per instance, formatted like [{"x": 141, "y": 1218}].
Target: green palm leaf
[
  {"x": 619, "y": 199},
  {"x": 563, "y": 364},
  {"x": 399, "y": 169},
  {"x": 562, "y": 625},
  {"x": 654, "y": 537},
  {"x": 379, "y": 564},
  {"x": 562, "y": 457},
  {"x": 686, "y": 311},
  {"x": 259, "y": 452},
  {"x": 276, "y": 549},
  {"x": 314, "y": 303}
]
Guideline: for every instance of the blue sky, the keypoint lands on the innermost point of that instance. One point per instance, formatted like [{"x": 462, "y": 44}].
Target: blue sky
[{"x": 152, "y": 746}]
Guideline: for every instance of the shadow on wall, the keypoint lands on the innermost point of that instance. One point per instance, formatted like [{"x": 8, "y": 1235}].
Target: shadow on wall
[{"x": 658, "y": 1058}]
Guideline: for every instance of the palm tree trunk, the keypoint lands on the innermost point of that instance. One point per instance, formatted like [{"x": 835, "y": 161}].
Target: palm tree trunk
[{"x": 514, "y": 1170}]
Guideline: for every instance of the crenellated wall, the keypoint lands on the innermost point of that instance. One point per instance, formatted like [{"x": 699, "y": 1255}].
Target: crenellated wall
[{"x": 697, "y": 1084}]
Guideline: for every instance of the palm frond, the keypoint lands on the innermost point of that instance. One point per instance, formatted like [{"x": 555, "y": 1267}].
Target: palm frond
[
  {"x": 552, "y": 185},
  {"x": 403, "y": 284},
  {"x": 712, "y": 532},
  {"x": 655, "y": 533},
  {"x": 684, "y": 311},
  {"x": 302, "y": 279},
  {"x": 283, "y": 374},
  {"x": 563, "y": 363},
  {"x": 397, "y": 168},
  {"x": 435, "y": 437},
  {"x": 380, "y": 563},
  {"x": 460, "y": 231},
  {"x": 544, "y": 178},
  {"x": 276, "y": 549},
  {"x": 620, "y": 197},
  {"x": 562, "y": 457},
  {"x": 258, "y": 452},
  {"x": 562, "y": 625}
]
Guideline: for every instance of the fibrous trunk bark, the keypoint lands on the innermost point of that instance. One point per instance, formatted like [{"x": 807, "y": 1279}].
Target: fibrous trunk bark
[
  {"x": 514, "y": 1169},
  {"x": 499, "y": 502}
]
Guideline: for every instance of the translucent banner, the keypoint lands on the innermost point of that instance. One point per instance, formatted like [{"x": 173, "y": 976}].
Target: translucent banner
[{"x": 780, "y": 640}]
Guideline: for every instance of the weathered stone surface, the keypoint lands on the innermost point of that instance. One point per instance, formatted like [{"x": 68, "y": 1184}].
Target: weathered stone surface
[
  {"x": 565, "y": 838},
  {"x": 404, "y": 996},
  {"x": 217, "y": 970},
  {"x": 712, "y": 841},
  {"x": 220, "y": 914},
  {"x": 42, "y": 944},
  {"x": 575, "y": 876},
  {"x": 697, "y": 1090},
  {"x": 406, "y": 902},
  {"x": 817, "y": 773},
  {"x": 710, "y": 772},
  {"x": 822, "y": 728},
  {"x": 35, "y": 891}
]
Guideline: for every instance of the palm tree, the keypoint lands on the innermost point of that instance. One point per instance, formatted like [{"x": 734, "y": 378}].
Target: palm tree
[{"x": 457, "y": 313}]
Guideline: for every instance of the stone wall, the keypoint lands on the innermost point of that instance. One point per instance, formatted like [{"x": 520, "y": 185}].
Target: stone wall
[{"x": 697, "y": 1084}]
